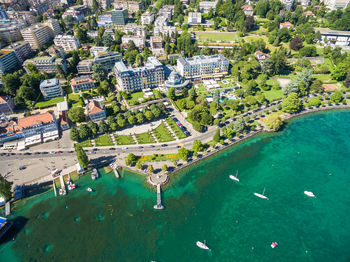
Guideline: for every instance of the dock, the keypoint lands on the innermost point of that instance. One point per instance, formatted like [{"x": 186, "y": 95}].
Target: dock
[
  {"x": 159, "y": 198},
  {"x": 54, "y": 187},
  {"x": 7, "y": 208},
  {"x": 63, "y": 186},
  {"x": 115, "y": 167}
]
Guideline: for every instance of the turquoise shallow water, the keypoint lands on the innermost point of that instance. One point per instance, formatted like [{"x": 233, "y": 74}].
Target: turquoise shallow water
[{"x": 118, "y": 223}]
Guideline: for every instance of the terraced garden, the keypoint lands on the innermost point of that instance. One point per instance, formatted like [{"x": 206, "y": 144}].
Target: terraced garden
[
  {"x": 176, "y": 129},
  {"x": 163, "y": 134},
  {"x": 145, "y": 138},
  {"x": 124, "y": 140}
]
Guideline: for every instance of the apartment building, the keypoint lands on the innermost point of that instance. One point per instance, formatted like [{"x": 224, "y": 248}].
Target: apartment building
[
  {"x": 119, "y": 16},
  {"x": 203, "y": 67},
  {"x": 139, "y": 41},
  {"x": 82, "y": 83},
  {"x": 10, "y": 33},
  {"x": 336, "y": 4},
  {"x": 133, "y": 79},
  {"x": 6, "y": 105},
  {"x": 54, "y": 26},
  {"x": 21, "y": 49},
  {"x": 62, "y": 110},
  {"x": 95, "y": 111},
  {"x": 67, "y": 42},
  {"x": 8, "y": 61},
  {"x": 205, "y": 6},
  {"x": 147, "y": 18},
  {"x": 97, "y": 51},
  {"x": 51, "y": 88},
  {"x": 131, "y": 6},
  {"x": 85, "y": 66},
  {"x": 108, "y": 60},
  {"x": 47, "y": 64},
  {"x": 135, "y": 29},
  {"x": 37, "y": 35},
  {"x": 194, "y": 18},
  {"x": 103, "y": 3}
]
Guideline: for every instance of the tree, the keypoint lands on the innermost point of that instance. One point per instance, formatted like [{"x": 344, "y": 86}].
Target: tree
[
  {"x": 103, "y": 127},
  {"x": 315, "y": 101},
  {"x": 81, "y": 35},
  {"x": 273, "y": 122},
  {"x": 107, "y": 40},
  {"x": 171, "y": 93},
  {"x": 183, "y": 153},
  {"x": 150, "y": 169},
  {"x": 296, "y": 43},
  {"x": 76, "y": 114},
  {"x": 291, "y": 104},
  {"x": 81, "y": 156},
  {"x": 308, "y": 51},
  {"x": 139, "y": 164},
  {"x": 103, "y": 88},
  {"x": 140, "y": 118},
  {"x": 93, "y": 127},
  {"x": 337, "y": 96},
  {"x": 339, "y": 72},
  {"x": 5, "y": 188},
  {"x": 149, "y": 115},
  {"x": 217, "y": 136},
  {"x": 74, "y": 134},
  {"x": 239, "y": 125},
  {"x": 99, "y": 73},
  {"x": 164, "y": 167},
  {"x": 130, "y": 159},
  {"x": 84, "y": 132},
  {"x": 197, "y": 146},
  {"x": 11, "y": 82}
]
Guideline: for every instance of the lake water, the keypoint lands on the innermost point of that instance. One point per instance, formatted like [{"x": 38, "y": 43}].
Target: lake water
[{"x": 118, "y": 223}]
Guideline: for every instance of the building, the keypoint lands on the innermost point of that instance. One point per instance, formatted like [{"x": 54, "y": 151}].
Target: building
[
  {"x": 54, "y": 26},
  {"x": 139, "y": 41},
  {"x": 77, "y": 12},
  {"x": 194, "y": 18},
  {"x": 51, "y": 88},
  {"x": 56, "y": 51},
  {"x": 108, "y": 60},
  {"x": 95, "y": 111},
  {"x": 336, "y": 4},
  {"x": 67, "y": 42},
  {"x": 46, "y": 64},
  {"x": 92, "y": 34},
  {"x": 156, "y": 44},
  {"x": 119, "y": 16},
  {"x": 133, "y": 79},
  {"x": 286, "y": 25},
  {"x": 288, "y": 4},
  {"x": 6, "y": 105},
  {"x": 105, "y": 4},
  {"x": 62, "y": 110},
  {"x": 248, "y": 10},
  {"x": 22, "y": 50},
  {"x": 147, "y": 18},
  {"x": 309, "y": 14},
  {"x": 335, "y": 37},
  {"x": 31, "y": 130},
  {"x": 260, "y": 56},
  {"x": 167, "y": 11},
  {"x": 39, "y": 8},
  {"x": 3, "y": 14},
  {"x": 37, "y": 35},
  {"x": 135, "y": 29},
  {"x": 85, "y": 66},
  {"x": 82, "y": 83},
  {"x": 205, "y": 6},
  {"x": 10, "y": 33},
  {"x": 97, "y": 51},
  {"x": 176, "y": 81},
  {"x": 105, "y": 20},
  {"x": 161, "y": 27},
  {"x": 203, "y": 67},
  {"x": 8, "y": 61},
  {"x": 131, "y": 6}
]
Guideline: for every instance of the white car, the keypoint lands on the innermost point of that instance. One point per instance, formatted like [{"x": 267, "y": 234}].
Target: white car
[{"x": 124, "y": 148}]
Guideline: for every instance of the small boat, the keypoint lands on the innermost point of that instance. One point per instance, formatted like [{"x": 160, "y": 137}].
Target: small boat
[
  {"x": 94, "y": 174},
  {"x": 235, "y": 178},
  {"x": 309, "y": 193},
  {"x": 71, "y": 186},
  {"x": 89, "y": 189},
  {"x": 202, "y": 245},
  {"x": 60, "y": 191},
  {"x": 261, "y": 195},
  {"x": 274, "y": 244}
]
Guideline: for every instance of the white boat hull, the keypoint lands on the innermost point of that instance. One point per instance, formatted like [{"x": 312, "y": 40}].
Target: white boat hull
[
  {"x": 202, "y": 245},
  {"x": 309, "y": 194},
  {"x": 234, "y": 178},
  {"x": 261, "y": 196}
]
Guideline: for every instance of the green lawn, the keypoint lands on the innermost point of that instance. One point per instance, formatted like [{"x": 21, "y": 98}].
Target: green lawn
[
  {"x": 224, "y": 37},
  {"x": 323, "y": 77},
  {"x": 74, "y": 97},
  {"x": 163, "y": 134},
  {"x": 177, "y": 130},
  {"x": 48, "y": 103},
  {"x": 104, "y": 140},
  {"x": 124, "y": 140},
  {"x": 272, "y": 95},
  {"x": 145, "y": 138},
  {"x": 86, "y": 143},
  {"x": 134, "y": 100}
]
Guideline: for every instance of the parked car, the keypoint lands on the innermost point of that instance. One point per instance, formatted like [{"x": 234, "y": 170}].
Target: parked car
[
  {"x": 124, "y": 147},
  {"x": 21, "y": 167},
  {"x": 112, "y": 148},
  {"x": 70, "y": 151},
  {"x": 164, "y": 145}
]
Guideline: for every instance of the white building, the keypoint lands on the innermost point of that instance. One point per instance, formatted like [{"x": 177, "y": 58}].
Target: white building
[
  {"x": 135, "y": 29},
  {"x": 336, "y": 4},
  {"x": 51, "y": 88},
  {"x": 97, "y": 51},
  {"x": 147, "y": 18},
  {"x": 67, "y": 42},
  {"x": 203, "y": 67},
  {"x": 139, "y": 41},
  {"x": 37, "y": 35},
  {"x": 194, "y": 18},
  {"x": 204, "y": 6}
]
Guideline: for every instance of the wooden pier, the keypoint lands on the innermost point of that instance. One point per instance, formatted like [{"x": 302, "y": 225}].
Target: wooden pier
[
  {"x": 54, "y": 187},
  {"x": 159, "y": 198},
  {"x": 115, "y": 167},
  {"x": 7, "y": 208},
  {"x": 63, "y": 186}
]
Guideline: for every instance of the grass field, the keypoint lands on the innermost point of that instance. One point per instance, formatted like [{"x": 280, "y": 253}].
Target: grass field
[
  {"x": 104, "y": 140},
  {"x": 86, "y": 143},
  {"x": 124, "y": 140},
  {"x": 224, "y": 37},
  {"x": 272, "y": 95},
  {"x": 323, "y": 77},
  {"x": 176, "y": 129},
  {"x": 134, "y": 100},
  {"x": 145, "y": 138},
  {"x": 48, "y": 103},
  {"x": 163, "y": 134}
]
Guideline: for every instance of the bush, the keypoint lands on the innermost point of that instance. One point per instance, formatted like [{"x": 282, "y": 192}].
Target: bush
[
  {"x": 198, "y": 127},
  {"x": 273, "y": 122}
]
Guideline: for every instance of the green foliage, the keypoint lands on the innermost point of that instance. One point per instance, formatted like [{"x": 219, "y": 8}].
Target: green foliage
[
  {"x": 164, "y": 167},
  {"x": 76, "y": 114},
  {"x": 296, "y": 43},
  {"x": 339, "y": 72},
  {"x": 5, "y": 188},
  {"x": 81, "y": 156},
  {"x": 99, "y": 72},
  {"x": 198, "y": 146},
  {"x": 273, "y": 122},
  {"x": 315, "y": 101},
  {"x": 308, "y": 51},
  {"x": 291, "y": 104},
  {"x": 183, "y": 153},
  {"x": 238, "y": 125},
  {"x": 217, "y": 136},
  {"x": 337, "y": 96},
  {"x": 150, "y": 169},
  {"x": 130, "y": 159},
  {"x": 74, "y": 134}
]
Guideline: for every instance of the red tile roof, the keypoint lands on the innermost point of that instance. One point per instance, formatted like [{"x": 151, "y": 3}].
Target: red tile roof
[
  {"x": 94, "y": 107},
  {"x": 247, "y": 8},
  {"x": 35, "y": 120},
  {"x": 286, "y": 24}
]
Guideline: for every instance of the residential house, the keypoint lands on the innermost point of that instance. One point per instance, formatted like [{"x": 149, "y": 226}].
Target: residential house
[
  {"x": 248, "y": 10},
  {"x": 95, "y": 111},
  {"x": 51, "y": 88},
  {"x": 82, "y": 83}
]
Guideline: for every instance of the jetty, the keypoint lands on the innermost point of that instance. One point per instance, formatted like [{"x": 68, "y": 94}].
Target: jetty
[
  {"x": 115, "y": 168},
  {"x": 7, "y": 208},
  {"x": 159, "y": 198},
  {"x": 94, "y": 174},
  {"x": 63, "y": 186},
  {"x": 54, "y": 187}
]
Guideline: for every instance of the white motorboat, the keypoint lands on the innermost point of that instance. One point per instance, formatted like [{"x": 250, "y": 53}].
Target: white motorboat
[
  {"x": 235, "y": 178},
  {"x": 261, "y": 195},
  {"x": 202, "y": 245},
  {"x": 309, "y": 193},
  {"x": 274, "y": 244},
  {"x": 89, "y": 189}
]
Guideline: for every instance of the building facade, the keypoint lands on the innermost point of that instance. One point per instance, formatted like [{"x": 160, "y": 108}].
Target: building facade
[
  {"x": 6, "y": 105},
  {"x": 47, "y": 64},
  {"x": 37, "y": 35},
  {"x": 97, "y": 51},
  {"x": 8, "y": 61},
  {"x": 139, "y": 41},
  {"x": 51, "y": 88},
  {"x": 194, "y": 18},
  {"x": 108, "y": 60},
  {"x": 82, "y": 83},
  {"x": 131, "y": 6},
  {"x": 336, "y": 4},
  {"x": 85, "y": 66},
  {"x": 132, "y": 79},
  {"x": 205, "y": 6},
  {"x": 147, "y": 18},
  {"x": 203, "y": 67},
  {"x": 22, "y": 50},
  {"x": 95, "y": 111},
  {"x": 67, "y": 42},
  {"x": 10, "y": 33},
  {"x": 119, "y": 16}
]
